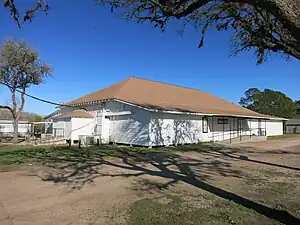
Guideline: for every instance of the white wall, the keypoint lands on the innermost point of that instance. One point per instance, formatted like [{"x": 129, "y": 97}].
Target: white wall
[
  {"x": 126, "y": 129},
  {"x": 81, "y": 126},
  {"x": 170, "y": 129},
  {"x": 274, "y": 127},
  {"x": 59, "y": 127},
  {"x": 7, "y": 129},
  {"x": 68, "y": 129},
  {"x": 154, "y": 129}
]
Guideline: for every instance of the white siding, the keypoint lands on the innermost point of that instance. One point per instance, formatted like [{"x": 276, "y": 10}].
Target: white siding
[
  {"x": 274, "y": 127},
  {"x": 146, "y": 128},
  {"x": 68, "y": 129},
  {"x": 59, "y": 128},
  {"x": 81, "y": 126},
  {"x": 7, "y": 129},
  {"x": 127, "y": 129},
  {"x": 170, "y": 129}
]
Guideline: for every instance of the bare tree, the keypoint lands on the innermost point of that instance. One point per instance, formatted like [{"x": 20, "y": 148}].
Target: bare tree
[
  {"x": 20, "y": 68},
  {"x": 39, "y": 5}
]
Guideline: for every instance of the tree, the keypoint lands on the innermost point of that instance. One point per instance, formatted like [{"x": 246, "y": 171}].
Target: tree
[
  {"x": 264, "y": 26},
  {"x": 269, "y": 102},
  {"x": 40, "y": 5},
  {"x": 20, "y": 67},
  {"x": 297, "y": 105}
]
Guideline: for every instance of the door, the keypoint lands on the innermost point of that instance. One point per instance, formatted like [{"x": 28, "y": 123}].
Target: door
[{"x": 102, "y": 128}]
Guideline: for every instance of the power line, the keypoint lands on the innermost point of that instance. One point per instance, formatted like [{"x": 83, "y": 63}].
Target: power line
[{"x": 37, "y": 98}]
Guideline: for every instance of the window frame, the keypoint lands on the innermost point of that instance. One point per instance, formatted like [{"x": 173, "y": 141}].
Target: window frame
[{"x": 222, "y": 121}]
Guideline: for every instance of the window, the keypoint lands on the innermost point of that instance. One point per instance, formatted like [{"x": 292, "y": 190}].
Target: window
[
  {"x": 204, "y": 125},
  {"x": 222, "y": 121}
]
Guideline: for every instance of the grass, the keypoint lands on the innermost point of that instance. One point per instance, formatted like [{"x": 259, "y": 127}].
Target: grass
[
  {"x": 212, "y": 210},
  {"x": 181, "y": 208},
  {"x": 22, "y": 155},
  {"x": 285, "y": 136},
  {"x": 180, "y": 211}
]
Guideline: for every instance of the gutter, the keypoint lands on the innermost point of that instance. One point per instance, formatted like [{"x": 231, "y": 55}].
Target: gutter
[
  {"x": 199, "y": 114},
  {"x": 179, "y": 112}
]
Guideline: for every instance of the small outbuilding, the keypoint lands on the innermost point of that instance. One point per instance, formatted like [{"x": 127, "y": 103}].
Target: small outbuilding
[
  {"x": 72, "y": 124},
  {"x": 292, "y": 126}
]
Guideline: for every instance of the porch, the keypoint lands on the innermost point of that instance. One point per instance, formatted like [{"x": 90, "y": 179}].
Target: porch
[{"x": 234, "y": 129}]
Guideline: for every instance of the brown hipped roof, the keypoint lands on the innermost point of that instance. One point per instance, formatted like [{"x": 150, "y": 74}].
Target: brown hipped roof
[
  {"x": 79, "y": 113},
  {"x": 157, "y": 95}
]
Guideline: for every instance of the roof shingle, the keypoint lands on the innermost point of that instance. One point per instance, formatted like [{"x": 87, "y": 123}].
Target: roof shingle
[
  {"x": 79, "y": 113},
  {"x": 152, "y": 94}
]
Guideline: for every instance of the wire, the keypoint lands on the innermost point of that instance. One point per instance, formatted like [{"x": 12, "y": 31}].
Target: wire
[{"x": 38, "y": 99}]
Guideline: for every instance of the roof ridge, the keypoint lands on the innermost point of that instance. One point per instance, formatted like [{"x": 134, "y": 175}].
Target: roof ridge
[
  {"x": 184, "y": 87},
  {"x": 174, "y": 85},
  {"x": 124, "y": 82}
]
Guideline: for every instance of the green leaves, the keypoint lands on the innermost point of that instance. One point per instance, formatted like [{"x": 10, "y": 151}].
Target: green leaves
[
  {"x": 274, "y": 103},
  {"x": 20, "y": 66},
  {"x": 258, "y": 26}
]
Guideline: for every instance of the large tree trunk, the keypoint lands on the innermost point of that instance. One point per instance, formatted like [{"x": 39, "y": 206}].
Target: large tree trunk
[
  {"x": 17, "y": 114},
  {"x": 16, "y": 130},
  {"x": 14, "y": 115}
]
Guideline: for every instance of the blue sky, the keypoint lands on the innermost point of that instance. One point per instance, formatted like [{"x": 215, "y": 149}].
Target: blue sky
[{"x": 90, "y": 48}]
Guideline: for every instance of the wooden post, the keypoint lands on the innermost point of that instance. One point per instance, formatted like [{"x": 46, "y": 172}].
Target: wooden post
[
  {"x": 70, "y": 141},
  {"x": 79, "y": 143}
]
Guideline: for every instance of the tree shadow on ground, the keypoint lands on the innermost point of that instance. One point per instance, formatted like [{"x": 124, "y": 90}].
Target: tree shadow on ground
[
  {"x": 240, "y": 153},
  {"x": 78, "y": 167}
]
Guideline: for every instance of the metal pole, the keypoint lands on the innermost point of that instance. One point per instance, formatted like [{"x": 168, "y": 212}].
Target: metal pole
[
  {"x": 240, "y": 128},
  {"x": 212, "y": 128},
  {"x": 250, "y": 128},
  {"x": 223, "y": 128},
  {"x": 265, "y": 127},
  {"x": 230, "y": 130}
]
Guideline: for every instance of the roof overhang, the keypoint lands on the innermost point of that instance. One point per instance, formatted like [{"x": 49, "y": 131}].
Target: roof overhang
[
  {"x": 201, "y": 114},
  {"x": 80, "y": 105}
]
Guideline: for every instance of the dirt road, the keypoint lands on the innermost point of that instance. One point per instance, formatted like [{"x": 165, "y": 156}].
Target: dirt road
[{"x": 101, "y": 194}]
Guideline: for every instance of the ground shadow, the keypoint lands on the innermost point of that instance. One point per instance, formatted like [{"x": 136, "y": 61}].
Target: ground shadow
[
  {"x": 232, "y": 152},
  {"x": 80, "y": 167}
]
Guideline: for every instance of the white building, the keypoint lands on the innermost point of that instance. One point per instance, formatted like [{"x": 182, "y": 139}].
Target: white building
[
  {"x": 6, "y": 124},
  {"x": 148, "y": 113}
]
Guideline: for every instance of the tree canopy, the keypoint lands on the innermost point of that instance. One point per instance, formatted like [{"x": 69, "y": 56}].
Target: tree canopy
[
  {"x": 274, "y": 103},
  {"x": 264, "y": 26},
  {"x": 20, "y": 67},
  {"x": 297, "y": 104}
]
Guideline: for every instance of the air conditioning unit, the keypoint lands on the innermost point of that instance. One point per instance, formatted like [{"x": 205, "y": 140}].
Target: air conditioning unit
[{"x": 89, "y": 140}]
